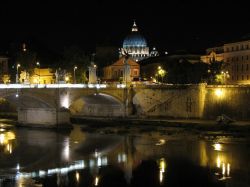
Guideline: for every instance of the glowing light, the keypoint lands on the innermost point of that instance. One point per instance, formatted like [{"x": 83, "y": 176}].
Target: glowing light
[
  {"x": 96, "y": 181},
  {"x": 122, "y": 157},
  {"x": 1, "y": 130},
  {"x": 41, "y": 173},
  {"x": 217, "y": 147},
  {"x": 18, "y": 167},
  {"x": 121, "y": 85},
  {"x": 228, "y": 169},
  {"x": 66, "y": 149},
  {"x": 104, "y": 161},
  {"x": 218, "y": 92},
  {"x": 162, "y": 165},
  {"x": 35, "y": 81},
  {"x": 161, "y": 142},
  {"x": 162, "y": 169},
  {"x": 223, "y": 169},
  {"x": 28, "y": 86},
  {"x": 77, "y": 176},
  {"x": 9, "y": 148},
  {"x": 2, "y": 138},
  {"x": 99, "y": 161},
  {"x": 66, "y": 78},
  {"x": 218, "y": 162},
  {"x": 17, "y": 95},
  {"x": 65, "y": 101},
  {"x": 91, "y": 85},
  {"x": 161, "y": 176}
]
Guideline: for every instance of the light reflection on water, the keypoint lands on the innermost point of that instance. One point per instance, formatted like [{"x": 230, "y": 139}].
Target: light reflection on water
[{"x": 64, "y": 161}]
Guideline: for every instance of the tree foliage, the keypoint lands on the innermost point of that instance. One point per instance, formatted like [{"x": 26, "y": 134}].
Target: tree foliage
[
  {"x": 27, "y": 60},
  {"x": 75, "y": 56}
]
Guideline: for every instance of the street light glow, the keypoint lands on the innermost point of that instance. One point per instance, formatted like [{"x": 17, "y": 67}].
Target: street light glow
[{"x": 218, "y": 92}]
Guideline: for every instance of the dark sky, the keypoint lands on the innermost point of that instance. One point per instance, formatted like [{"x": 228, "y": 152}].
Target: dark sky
[{"x": 168, "y": 25}]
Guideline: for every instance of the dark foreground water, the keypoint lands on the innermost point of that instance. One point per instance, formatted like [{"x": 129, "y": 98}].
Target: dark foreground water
[{"x": 30, "y": 157}]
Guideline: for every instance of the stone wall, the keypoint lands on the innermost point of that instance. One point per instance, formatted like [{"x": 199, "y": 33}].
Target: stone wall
[
  {"x": 194, "y": 101},
  {"x": 180, "y": 101},
  {"x": 42, "y": 117},
  {"x": 233, "y": 101}
]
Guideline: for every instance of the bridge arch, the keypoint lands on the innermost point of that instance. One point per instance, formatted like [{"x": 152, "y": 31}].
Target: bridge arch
[
  {"x": 26, "y": 100},
  {"x": 97, "y": 104}
]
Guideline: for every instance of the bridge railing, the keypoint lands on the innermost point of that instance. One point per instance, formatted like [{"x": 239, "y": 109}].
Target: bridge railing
[
  {"x": 108, "y": 85},
  {"x": 26, "y": 86}
]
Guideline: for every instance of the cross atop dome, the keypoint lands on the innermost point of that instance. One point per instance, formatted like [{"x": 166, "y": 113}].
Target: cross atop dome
[{"x": 134, "y": 28}]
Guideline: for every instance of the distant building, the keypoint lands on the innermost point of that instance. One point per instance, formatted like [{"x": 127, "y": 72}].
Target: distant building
[
  {"x": 236, "y": 57},
  {"x": 114, "y": 72},
  {"x": 154, "y": 53},
  {"x": 135, "y": 45},
  {"x": 39, "y": 76},
  {"x": 214, "y": 54}
]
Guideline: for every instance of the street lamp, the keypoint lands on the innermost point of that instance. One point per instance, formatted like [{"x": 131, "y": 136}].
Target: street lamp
[
  {"x": 38, "y": 64},
  {"x": 75, "y": 68},
  {"x": 225, "y": 76},
  {"x": 161, "y": 72},
  {"x": 17, "y": 66}
]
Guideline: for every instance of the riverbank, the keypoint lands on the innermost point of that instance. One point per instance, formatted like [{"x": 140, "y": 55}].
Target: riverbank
[{"x": 165, "y": 126}]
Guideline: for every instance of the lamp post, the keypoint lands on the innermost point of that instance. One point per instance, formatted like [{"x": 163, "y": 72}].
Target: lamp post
[
  {"x": 225, "y": 76},
  {"x": 75, "y": 68},
  {"x": 161, "y": 72},
  {"x": 17, "y": 66},
  {"x": 38, "y": 64}
]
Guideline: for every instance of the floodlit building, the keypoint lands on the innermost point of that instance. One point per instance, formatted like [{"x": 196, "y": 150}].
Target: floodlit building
[
  {"x": 214, "y": 54},
  {"x": 236, "y": 58},
  {"x": 39, "y": 76},
  {"x": 115, "y": 71}
]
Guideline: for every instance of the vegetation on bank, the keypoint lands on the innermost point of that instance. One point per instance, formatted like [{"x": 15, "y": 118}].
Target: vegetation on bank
[{"x": 163, "y": 127}]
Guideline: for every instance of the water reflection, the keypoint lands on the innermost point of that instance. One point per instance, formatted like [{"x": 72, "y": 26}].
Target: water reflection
[
  {"x": 7, "y": 140},
  {"x": 162, "y": 169},
  {"x": 109, "y": 160},
  {"x": 222, "y": 162}
]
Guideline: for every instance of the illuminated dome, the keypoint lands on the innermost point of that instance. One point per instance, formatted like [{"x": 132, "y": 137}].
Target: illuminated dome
[
  {"x": 135, "y": 45},
  {"x": 134, "y": 40}
]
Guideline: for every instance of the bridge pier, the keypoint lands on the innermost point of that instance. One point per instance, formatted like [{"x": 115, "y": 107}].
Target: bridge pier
[{"x": 44, "y": 117}]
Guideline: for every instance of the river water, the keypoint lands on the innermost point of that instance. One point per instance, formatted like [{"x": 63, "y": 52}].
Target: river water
[{"x": 35, "y": 157}]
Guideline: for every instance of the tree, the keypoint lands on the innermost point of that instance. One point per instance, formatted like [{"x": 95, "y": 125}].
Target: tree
[
  {"x": 217, "y": 72},
  {"x": 75, "y": 56},
  {"x": 27, "y": 60}
]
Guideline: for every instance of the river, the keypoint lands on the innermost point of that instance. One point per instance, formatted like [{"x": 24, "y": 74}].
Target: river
[{"x": 39, "y": 157}]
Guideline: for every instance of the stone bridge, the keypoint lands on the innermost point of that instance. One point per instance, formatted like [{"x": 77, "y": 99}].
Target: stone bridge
[
  {"x": 110, "y": 101},
  {"x": 177, "y": 101}
]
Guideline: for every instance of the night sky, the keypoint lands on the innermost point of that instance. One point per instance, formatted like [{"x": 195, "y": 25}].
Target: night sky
[{"x": 168, "y": 25}]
